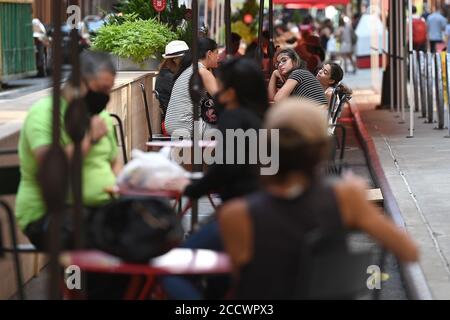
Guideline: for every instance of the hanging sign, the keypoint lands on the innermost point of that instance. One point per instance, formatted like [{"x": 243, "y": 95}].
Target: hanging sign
[{"x": 159, "y": 5}]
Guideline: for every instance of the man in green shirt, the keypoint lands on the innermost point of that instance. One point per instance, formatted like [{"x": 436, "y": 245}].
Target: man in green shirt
[{"x": 99, "y": 147}]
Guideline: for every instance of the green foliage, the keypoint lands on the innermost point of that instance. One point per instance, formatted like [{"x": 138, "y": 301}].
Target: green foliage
[
  {"x": 243, "y": 30},
  {"x": 297, "y": 17},
  {"x": 173, "y": 15},
  {"x": 250, "y": 7},
  {"x": 185, "y": 32},
  {"x": 134, "y": 38}
]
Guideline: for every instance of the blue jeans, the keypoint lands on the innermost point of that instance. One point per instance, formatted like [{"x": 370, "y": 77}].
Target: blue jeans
[{"x": 208, "y": 237}]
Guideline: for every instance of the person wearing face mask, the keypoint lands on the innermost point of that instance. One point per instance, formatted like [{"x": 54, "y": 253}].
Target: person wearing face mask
[
  {"x": 242, "y": 95},
  {"x": 99, "y": 148},
  {"x": 242, "y": 100}
]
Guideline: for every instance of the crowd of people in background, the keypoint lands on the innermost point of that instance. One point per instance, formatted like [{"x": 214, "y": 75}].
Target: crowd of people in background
[
  {"x": 317, "y": 41},
  {"x": 431, "y": 30}
]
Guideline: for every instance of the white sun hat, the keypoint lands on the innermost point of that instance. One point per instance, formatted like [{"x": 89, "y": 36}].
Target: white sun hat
[{"x": 176, "y": 48}]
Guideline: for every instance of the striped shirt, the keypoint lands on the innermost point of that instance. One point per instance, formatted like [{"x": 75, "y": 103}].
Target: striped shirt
[
  {"x": 307, "y": 86},
  {"x": 180, "y": 111}
]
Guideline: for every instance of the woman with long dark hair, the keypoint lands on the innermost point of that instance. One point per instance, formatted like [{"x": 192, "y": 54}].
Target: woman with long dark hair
[
  {"x": 242, "y": 95},
  {"x": 242, "y": 98},
  {"x": 330, "y": 77},
  {"x": 180, "y": 113},
  {"x": 292, "y": 79}
]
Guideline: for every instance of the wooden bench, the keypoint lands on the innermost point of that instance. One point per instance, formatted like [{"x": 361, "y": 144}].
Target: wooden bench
[{"x": 375, "y": 196}]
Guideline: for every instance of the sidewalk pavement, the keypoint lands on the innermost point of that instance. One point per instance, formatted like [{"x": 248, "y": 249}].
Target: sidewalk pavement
[
  {"x": 419, "y": 177},
  {"x": 13, "y": 113},
  {"x": 418, "y": 172}
]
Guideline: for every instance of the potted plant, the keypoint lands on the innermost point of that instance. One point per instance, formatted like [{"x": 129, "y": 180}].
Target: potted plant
[{"x": 136, "y": 43}]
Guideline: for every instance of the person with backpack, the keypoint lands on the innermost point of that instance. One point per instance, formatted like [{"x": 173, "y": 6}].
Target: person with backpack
[{"x": 419, "y": 31}]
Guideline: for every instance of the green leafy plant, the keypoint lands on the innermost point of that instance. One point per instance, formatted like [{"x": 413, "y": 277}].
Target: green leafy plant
[
  {"x": 185, "y": 32},
  {"x": 173, "y": 15},
  {"x": 134, "y": 38},
  {"x": 250, "y": 7},
  {"x": 244, "y": 31}
]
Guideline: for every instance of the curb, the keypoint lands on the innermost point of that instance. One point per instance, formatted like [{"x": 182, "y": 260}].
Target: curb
[{"x": 414, "y": 279}]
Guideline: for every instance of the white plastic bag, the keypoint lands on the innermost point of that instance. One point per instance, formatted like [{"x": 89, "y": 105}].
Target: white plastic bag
[{"x": 149, "y": 171}]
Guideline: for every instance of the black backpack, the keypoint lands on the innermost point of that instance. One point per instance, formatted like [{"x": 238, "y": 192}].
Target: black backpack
[{"x": 135, "y": 229}]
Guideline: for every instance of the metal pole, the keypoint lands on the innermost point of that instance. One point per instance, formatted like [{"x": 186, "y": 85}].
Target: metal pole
[
  {"x": 195, "y": 86},
  {"x": 76, "y": 121},
  {"x": 384, "y": 45},
  {"x": 217, "y": 20},
  {"x": 222, "y": 19},
  {"x": 391, "y": 52},
  {"x": 271, "y": 42},
  {"x": 411, "y": 73},
  {"x": 228, "y": 27},
  {"x": 213, "y": 19},
  {"x": 403, "y": 61},
  {"x": 260, "y": 29},
  {"x": 205, "y": 14},
  {"x": 448, "y": 93},
  {"x": 397, "y": 54},
  {"x": 53, "y": 171}
]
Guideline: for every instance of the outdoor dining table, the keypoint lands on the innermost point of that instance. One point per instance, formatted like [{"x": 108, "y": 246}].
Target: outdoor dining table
[{"x": 177, "y": 261}]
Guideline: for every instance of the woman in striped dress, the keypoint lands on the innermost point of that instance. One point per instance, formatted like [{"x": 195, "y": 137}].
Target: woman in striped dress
[{"x": 180, "y": 113}]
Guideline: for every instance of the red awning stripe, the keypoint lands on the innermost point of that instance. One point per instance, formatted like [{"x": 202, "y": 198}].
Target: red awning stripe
[{"x": 312, "y": 3}]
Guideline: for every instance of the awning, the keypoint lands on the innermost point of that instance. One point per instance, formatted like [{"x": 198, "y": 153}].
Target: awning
[{"x": 311, "y": 3}]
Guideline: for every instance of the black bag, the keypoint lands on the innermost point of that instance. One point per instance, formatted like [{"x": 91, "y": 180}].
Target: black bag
[
  {"x": 135, "y": 229},
  {"x": 208, "y": 110}
]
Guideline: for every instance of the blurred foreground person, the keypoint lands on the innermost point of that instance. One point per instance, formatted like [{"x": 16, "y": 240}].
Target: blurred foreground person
[
  {"x": 243, "y": 95},
  {"x": 99, "y": 148},
  {"x": 265, "y": 232}
]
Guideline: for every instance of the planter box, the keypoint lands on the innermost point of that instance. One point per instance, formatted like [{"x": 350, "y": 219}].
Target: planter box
[{"x": 123, "y": 64}]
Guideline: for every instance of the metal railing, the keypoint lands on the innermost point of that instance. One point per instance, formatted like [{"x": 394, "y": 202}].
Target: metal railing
[{"x": 429, "y": 94}]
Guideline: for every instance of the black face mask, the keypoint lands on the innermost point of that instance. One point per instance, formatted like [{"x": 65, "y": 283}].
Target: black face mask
[{"x": 96, "y": 102}]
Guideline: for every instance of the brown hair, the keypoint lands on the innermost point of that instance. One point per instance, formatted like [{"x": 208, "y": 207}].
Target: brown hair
[
  {"x": 296, "y": 60},
  {"x": 303, "y": 136}
]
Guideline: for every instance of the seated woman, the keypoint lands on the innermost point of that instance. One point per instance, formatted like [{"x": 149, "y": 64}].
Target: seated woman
[
  {"x": 292, "y": 79},
  {"x": 329, "y": 77},
  {"x": 243, "y": 94},
  {"x": 243, "y": 97},
  {"x": 179, "y": 116},
  {"x": 263, "y": 232},
  {"x": 99, "y": 148},
  {"x": 174, "y": 52}
]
